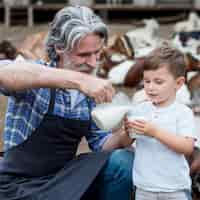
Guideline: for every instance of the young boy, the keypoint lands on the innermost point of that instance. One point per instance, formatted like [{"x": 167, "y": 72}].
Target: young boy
[{"x": 165, "y": 137}]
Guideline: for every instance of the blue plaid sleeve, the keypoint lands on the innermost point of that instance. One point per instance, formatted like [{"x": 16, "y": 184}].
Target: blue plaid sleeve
[{"x": 97, "y": 138}]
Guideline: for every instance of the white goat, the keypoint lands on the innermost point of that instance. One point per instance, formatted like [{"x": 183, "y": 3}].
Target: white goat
[
  {"x": 192, "y": 46},
  {"x": 145, "y": 36},
  {"x": 191, "y": 24},
  {"x": 118, "y": 73}
]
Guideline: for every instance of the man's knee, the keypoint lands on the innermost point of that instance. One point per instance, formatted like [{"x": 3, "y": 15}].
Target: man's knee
[
  {"x": 116, "y": 177},
  {"x": 122, "y": 157},
  {"x": 120, "y": 164}
]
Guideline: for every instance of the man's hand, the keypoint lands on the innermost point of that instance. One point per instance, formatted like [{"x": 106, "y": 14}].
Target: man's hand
[
  {"x": 99, "y": 89},
  {"x": 119, "y": 139}
]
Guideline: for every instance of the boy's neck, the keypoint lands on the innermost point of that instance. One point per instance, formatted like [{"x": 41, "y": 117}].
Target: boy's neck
[{"x": 164, "y": 104}]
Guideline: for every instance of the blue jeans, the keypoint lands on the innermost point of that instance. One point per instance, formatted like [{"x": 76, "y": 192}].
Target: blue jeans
[{"x": 115, "y": 180}]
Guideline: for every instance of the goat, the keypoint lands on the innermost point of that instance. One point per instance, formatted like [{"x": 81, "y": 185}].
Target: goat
[{"x": 188, "y": 25}]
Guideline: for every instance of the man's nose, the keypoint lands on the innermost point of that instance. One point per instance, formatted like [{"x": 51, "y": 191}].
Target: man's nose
[{"x": 92, "y": 60}]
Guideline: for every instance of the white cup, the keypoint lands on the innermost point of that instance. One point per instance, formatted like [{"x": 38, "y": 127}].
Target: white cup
[
  {"x": 108, "y": 117},
  {"x": 132, "y": 132}
]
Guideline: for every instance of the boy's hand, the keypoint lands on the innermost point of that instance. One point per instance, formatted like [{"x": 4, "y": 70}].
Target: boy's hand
[{"x": 142, "y": 127}]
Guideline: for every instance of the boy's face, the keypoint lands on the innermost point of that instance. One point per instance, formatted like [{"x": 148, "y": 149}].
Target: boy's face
[{"x": 161, "y": 86}]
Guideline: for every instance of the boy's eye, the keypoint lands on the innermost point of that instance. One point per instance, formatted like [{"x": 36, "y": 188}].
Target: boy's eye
[
  {"x": 147, "y": 81},
  {"x": 159, "y": 82}
]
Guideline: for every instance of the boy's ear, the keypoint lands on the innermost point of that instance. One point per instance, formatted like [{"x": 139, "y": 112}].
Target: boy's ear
[{"x": 179, "y": 82}]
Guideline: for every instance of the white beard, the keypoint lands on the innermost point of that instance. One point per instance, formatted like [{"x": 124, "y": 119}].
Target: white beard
[{"x": 68, "y": 64}]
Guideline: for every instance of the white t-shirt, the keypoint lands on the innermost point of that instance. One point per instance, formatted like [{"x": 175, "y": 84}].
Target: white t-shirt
[{"x": 157, "y": 168}]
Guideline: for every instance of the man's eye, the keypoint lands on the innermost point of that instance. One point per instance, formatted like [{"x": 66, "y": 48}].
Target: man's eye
[{"x": 96, "y": 53}]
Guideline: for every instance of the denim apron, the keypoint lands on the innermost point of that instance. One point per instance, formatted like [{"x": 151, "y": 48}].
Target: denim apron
[{"x": 45, "y": 166}]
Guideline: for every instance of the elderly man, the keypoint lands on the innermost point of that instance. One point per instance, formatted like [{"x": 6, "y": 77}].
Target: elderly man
[{"x": 49, "y": 111}]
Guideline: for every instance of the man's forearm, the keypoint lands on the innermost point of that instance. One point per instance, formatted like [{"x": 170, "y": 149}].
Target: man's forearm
[
  {"x": 23, "y": 75},
  {"x": 117, "y": 140},
  {"x": 20, "y": 76}
]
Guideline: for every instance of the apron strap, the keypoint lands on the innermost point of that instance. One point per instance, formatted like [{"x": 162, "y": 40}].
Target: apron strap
[
  {"x": 90, "y": 109},
  {"x": 52, "y": 100}
]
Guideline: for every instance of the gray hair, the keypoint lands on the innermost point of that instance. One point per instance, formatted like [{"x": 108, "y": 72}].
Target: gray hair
[{"x": 69, "y": 26}]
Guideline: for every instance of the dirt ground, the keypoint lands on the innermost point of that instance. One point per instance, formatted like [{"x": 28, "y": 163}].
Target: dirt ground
[{"x": 17, "y": 34}]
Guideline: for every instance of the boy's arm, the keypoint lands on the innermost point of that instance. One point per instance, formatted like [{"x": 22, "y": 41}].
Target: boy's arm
[
  {"x": 23, "y": 75},
  {"x": 178, "y": 143}
]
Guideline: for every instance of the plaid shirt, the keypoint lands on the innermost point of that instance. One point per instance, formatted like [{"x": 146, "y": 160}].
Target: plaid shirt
[{"x": 26, "y": 110}]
